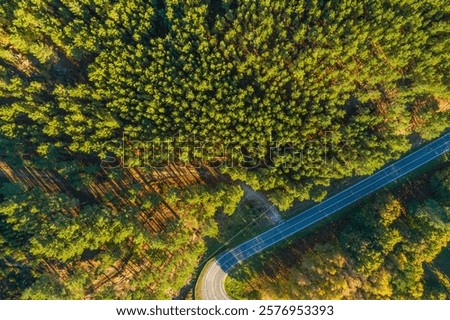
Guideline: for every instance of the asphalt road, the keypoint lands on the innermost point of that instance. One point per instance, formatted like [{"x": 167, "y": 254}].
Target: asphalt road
[{"x": 211, "y": 283}]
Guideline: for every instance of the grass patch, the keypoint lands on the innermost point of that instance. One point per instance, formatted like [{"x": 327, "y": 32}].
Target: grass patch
[{"x": 240, "y": 290}]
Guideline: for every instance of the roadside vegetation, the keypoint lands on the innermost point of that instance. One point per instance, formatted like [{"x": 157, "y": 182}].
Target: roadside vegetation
[{"x": 389, "y": 247}]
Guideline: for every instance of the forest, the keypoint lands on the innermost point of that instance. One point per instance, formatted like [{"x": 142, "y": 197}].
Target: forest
[
  {"x": 76, "y": 77},
  {"x": 388, "y": 248}
]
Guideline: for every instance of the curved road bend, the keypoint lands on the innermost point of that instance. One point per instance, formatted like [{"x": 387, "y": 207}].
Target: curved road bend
[{"x": 211, "y": 284}]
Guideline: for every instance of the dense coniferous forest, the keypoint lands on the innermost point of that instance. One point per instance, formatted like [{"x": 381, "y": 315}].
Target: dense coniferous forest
[{"x": 83, "y": 82}]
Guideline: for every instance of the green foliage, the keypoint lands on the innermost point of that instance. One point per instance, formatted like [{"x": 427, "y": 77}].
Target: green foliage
[
  {"x": 231, "y": 74},
  {"x": 39, "y": 230},
  {"x": 75, "y": 77},
  {"x": 385, "y": 251},
  {"x": 440, "y": 183}
]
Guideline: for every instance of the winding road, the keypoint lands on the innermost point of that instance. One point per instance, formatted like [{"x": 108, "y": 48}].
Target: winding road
[{"x": 211, "y": 284}]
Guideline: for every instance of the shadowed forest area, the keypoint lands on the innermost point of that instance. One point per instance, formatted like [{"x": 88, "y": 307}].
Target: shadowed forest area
[
  {"x": 304, "y": 94},
  {"x": 137, "y": 235}
]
